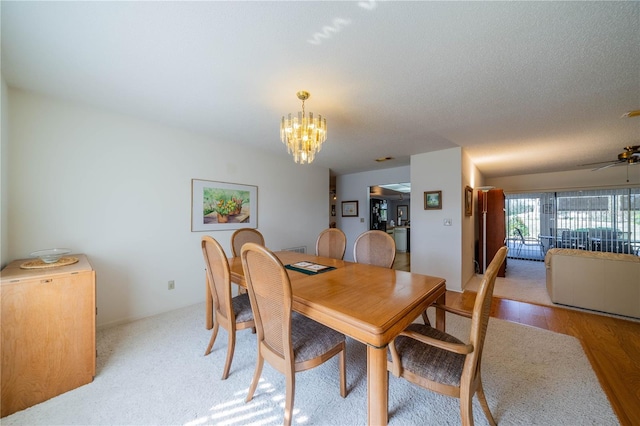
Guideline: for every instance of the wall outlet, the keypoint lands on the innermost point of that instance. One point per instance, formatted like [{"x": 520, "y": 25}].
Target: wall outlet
[
  {"x": 447, "y": 222},
  {"x": 172, "y": 285},
  {"x": 362, "y": 220}
]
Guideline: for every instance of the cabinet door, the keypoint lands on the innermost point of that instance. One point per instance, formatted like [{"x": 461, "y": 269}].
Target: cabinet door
[{"x": 48, "y": 338}]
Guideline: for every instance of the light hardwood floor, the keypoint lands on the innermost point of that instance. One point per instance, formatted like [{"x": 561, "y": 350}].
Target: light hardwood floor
[
  {"x": 402, "y": 262},
  {"x": 612, "y": 345}
]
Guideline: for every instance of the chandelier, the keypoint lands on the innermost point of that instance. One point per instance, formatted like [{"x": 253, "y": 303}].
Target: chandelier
[{"x": 303, "y": 135}]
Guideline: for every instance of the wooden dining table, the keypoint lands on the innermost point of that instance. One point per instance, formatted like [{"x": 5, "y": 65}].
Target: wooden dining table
[{"x": 368, "y": 303}]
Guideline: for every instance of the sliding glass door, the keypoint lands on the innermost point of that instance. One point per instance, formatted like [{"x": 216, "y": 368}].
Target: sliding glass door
[{"x": 598, "y": 220}]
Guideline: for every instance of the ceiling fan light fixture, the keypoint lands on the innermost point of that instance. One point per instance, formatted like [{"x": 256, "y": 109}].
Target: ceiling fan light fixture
[
  {"x": 303, "y": 134},
  {"x": 626, "y": 156},
  {"x": 629, "y": 154}
]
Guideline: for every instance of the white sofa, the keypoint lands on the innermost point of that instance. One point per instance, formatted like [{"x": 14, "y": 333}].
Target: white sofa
[{"x": 607, "y": 282}]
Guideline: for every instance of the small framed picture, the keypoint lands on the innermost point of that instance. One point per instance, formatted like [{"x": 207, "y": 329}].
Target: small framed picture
[
  {"x": 468, "y": 201},
  {"x": 402, "y": 212},
  {"x": 433, "y": 200},
  {"x": 350, "y": 208}
]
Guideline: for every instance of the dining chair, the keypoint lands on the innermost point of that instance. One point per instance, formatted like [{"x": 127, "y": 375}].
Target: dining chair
[
  {"x": 375, "y": 248},
  {"x": 290, "y": 342},
  {"x": 439, "y": 362},
  {"x": 331, "y": 243},
  {"x": 238, "y": 239},
  {"x": 245, "y": 235},
  {"x": 232, "y": 313}
]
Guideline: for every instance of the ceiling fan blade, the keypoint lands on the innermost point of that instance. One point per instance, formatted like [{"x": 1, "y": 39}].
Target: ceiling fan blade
[
  {"x": 599, "y": 162},
  {"x": 616, "y": 163},
  {"x": 630, "y": 155}
]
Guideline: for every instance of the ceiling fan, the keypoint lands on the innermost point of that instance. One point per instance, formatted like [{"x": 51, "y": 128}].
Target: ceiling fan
[{"x": 630, "y": 156}]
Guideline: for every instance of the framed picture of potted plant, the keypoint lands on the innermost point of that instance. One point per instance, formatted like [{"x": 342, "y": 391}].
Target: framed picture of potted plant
[{"x": 217, "y": 206}]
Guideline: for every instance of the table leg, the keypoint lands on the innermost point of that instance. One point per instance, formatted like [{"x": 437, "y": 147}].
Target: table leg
[
  {"x": 440, "y": 313},
  {"x": 208, "y": 321},
  {"x": 377, "y": 386}
]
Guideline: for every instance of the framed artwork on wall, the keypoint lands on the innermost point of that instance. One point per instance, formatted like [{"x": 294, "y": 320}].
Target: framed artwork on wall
[
  {"x": 350, "y": 208},
  {"x": 468, "y": 201},
  {"x": 402, "y": 213},
  {"x": 222, "y": 206},
  {"x": 433, "y": 200}
]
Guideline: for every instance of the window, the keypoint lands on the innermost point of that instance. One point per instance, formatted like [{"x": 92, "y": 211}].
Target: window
[{"x": 598, "y": 220}]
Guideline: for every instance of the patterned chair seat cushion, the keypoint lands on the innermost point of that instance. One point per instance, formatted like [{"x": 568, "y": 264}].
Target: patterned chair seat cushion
[
  {"x": 310, "y": 338},
  {"x": 242, "y": 308},
  {"x": 428, "y": 361}
]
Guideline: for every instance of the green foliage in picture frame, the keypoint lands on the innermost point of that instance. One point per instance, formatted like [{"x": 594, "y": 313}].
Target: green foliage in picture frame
[{"x": 433, "y": 200}]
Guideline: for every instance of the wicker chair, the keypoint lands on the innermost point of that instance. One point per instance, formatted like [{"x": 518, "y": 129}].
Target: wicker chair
[
  {"x": 290, "y": 342},
  {"x": 331, "y": 243},
  {"x": 439, "y": 362},
  {"x": 232, "y": 313},
  {"x": 245, "y": 235},
  {"x": 375, "y": 248}
]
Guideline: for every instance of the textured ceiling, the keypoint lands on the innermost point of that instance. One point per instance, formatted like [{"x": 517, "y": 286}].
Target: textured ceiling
[{"x": 524, "y": 87}]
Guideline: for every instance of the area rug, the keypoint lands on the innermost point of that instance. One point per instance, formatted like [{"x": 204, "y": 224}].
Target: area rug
[
  {"x": 524, "y": 281},
  {"x": 153, "y": 372}
]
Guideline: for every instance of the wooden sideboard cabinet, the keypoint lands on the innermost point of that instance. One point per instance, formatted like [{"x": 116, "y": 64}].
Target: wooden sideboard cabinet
[{"x": 48, "y": 332}]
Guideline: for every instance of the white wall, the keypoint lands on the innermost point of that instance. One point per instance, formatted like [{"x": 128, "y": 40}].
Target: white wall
[
  {"x": 4, "y": 174},
  {"x": 470, "y": 230},
  {"x": 437, "y": 249},
  {"x": 612, "y": 177},
  {"x": 119, "y": 190},
  {"x": 355, "y": 187}
]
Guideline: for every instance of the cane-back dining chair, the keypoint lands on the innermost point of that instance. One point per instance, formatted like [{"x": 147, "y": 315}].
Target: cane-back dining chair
[
  {"x": 238, "y": 239},
  {"x": 232, "y": 313},
  {"x": 442, "y": 363},
  {"x": 245, "y": 235},
  {"x": 331, "y": 243},
  {"x": 375, "y": 248},
  {"x": 290, "y": 342}
]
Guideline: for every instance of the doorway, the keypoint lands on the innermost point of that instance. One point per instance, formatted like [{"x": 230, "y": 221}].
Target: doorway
[{"x": 389, "y": 209}]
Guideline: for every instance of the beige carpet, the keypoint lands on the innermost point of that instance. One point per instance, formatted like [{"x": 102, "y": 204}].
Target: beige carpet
[
  {"x": 152, "y": 372},
  {"x": 525, "y": 281}
]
